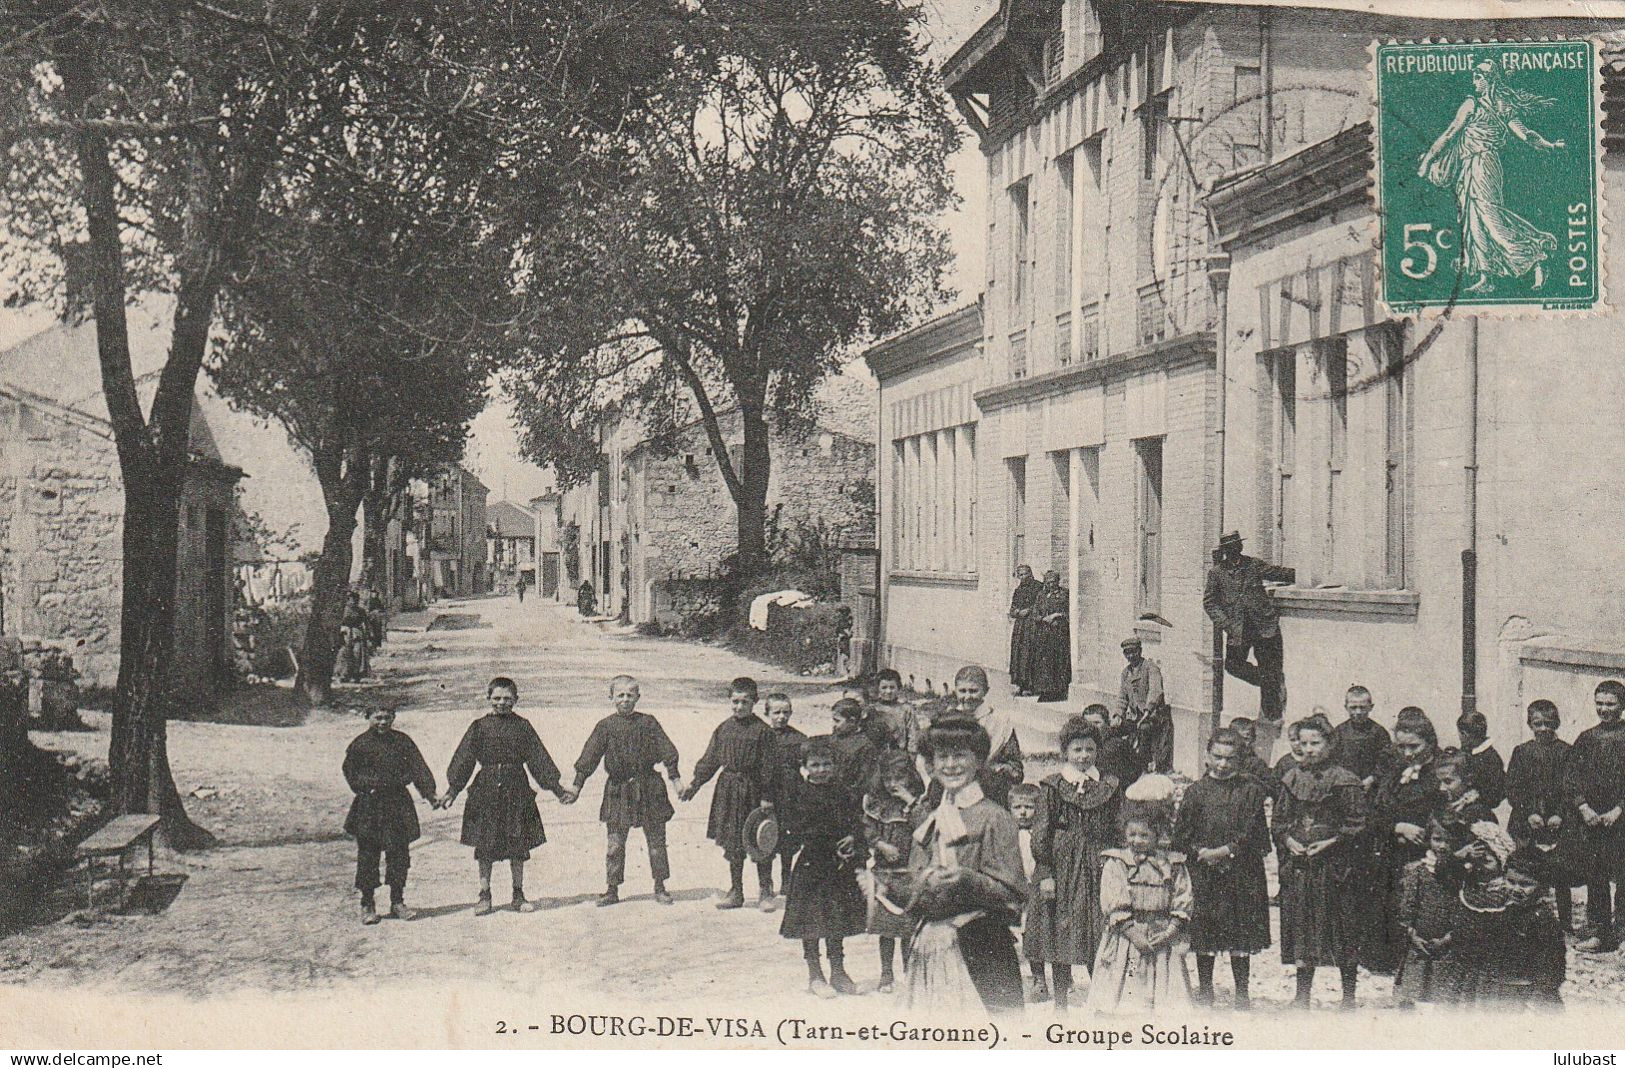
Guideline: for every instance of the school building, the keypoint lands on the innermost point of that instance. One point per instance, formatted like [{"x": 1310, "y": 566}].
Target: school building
[{"x": 1073, "y": 419}]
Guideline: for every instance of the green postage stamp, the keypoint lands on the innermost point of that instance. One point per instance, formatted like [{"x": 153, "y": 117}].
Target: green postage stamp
[{"x": 1489, "y": 176}]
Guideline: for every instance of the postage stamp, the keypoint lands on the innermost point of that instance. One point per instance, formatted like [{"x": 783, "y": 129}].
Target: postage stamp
[{"x": 1489, "y": 188}]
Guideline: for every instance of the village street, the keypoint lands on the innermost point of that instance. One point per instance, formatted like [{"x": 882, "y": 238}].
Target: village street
[{"x": 272, "y": 909}]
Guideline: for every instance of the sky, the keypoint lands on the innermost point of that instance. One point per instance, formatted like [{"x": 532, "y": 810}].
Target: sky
[{"x": 493, "y": 448}]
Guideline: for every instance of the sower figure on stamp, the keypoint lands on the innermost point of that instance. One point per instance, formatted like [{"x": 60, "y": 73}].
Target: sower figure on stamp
[
  {"x": 1238, "y": 604},
  {"x": 630, "y": 743},
  {"x": 379, "y": 765}
]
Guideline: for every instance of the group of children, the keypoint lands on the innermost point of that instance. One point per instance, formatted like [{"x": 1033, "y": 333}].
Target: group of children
[{"x": 922, "y": 831}]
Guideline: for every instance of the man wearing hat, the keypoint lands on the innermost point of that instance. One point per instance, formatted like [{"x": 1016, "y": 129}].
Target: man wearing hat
[
  {"x": 1238, "y": 604},
  {"x": 1146, "y": 708}
]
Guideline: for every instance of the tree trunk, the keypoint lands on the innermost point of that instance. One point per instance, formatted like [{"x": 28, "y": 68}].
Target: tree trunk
[
  {"x": 343, "y": 486},
  {"x": 755, "y": 470}
]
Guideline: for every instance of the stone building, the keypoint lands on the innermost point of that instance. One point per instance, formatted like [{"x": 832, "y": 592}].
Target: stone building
[
  {"x": 1452, "y": 507},
  {"x": 511, "y": 541},
  {"x": 454, "y": 501},
  {"x": 651, "y": 517},
  {"x": 1175, "y": 187}
]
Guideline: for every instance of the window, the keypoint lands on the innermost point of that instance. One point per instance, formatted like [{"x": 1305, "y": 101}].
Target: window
[
  {"x": 933, "y": 500},
  {"x": 1064, "y": 193},
  {"x": 1020, "y": 254},
  {"x": 1154, "y": 138},
  {"x": 1336, "y": 415},
  {"x": 1060, "y": 521},
  {"x": 1054, "y": 57},
  {"x": 1148, "y": 525},
  {"x": 1018, "y": 512}
]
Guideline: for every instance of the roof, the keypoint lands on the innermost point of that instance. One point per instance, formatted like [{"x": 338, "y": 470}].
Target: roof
[
  {"x": 917, "y": 344},
  {"x": 509, "y": 520}
]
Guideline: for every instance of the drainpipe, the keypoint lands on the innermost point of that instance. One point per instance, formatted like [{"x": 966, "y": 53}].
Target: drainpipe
[
  {"x": 1469, "y": 552},
  {"x": 1218, "y": 275}
]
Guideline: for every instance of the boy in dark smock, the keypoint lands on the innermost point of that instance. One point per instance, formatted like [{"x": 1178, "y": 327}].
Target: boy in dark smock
[
  {"x": 1361, "y": 744},
  {"x": 500, "y": 820},
  {"x": 738, "y": 757},
  {"x": 378, "y": 765},
  {"x": 1542, "y": 819},
  {"x": 630, "y": 743},
  {"x": 1595, "y": 778},
  {"x": 784, "y": 753},
  {"x": 1486, "y": 772}
]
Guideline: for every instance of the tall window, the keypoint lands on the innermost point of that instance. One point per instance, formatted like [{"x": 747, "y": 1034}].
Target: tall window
[
  {"x": 1336, "y": 454},
  {"x": 1018, "y": 511},
  {"x": 1020, "y": 254},
  {"x": 1064, "y": 194},
  {"x": 1148, "y": 524},
  {"x": 933, "y": 498}
]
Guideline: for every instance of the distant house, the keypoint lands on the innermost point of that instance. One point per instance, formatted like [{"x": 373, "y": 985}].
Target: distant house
[
  {"x": 510, "y": 536},
  {"x": 654, "y": 517},
  {"x": 545, "y": 508},
  {"x": 62, "y": 502},
  {"x": 454, "y": 502}
]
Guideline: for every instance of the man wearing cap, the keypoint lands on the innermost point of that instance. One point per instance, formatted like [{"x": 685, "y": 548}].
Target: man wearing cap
[
  {"x": 1238, "y": 604},
  {"x": 1146, "y": 707}
]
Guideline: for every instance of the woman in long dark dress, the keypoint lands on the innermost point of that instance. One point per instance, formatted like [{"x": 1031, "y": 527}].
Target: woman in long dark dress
[
  {"x": 1051, "y": 643},
  {"x": 1021, "y": 630},
  {"x": 500, "y": 820}
]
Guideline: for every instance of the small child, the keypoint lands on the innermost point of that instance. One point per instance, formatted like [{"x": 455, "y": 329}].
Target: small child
[
  {"x": 856, "y": 753},
  {"x": 784, "y": 754},
  {"x": 1038, "y": 919},
  {"x": 1118, "y": 756},
  {"x": 1540, "y": 807},
  {"x": 1248, "y": 763},
  {"x": 891, "y": 724},
  {"x": 891, "y": 809},
  {"x": 823, "y": 823},
  {"x": 1222, "y": 832},
  {"x": 1145, "y": 896},
  {"x": 1291, "y": 758},
  {"x": 968, "y": 884},
  {"x": 629, "y": 744},
  {"x": 1508, "y": 945},
  {"x": 738, "y": 757},
  {"x": 501, "y": 820},
  {"x": 378, "y": 765},
  {"x": 1486, "y": 773},
  {"x": 1320, "y": 818},
  {"x": 1459, "y": 803},
  {"x": 1075, "y": 824},
  {"x": 1428, "y": 914}
]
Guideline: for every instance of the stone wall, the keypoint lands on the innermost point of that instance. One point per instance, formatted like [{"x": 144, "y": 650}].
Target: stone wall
[
  {"x": 682, "y": 521},
  {"x": 61, "y": 555}
]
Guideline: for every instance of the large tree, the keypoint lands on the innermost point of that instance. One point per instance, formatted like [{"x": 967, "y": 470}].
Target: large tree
[
  {"x": 783, "y": 204},
  {"x": 142, "y": 137}
]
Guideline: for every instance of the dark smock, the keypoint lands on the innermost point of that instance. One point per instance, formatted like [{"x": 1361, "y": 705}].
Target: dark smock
[
  {"x": 1231, "y": 911},
  {"x": 1320, "y": 906},
  {"x": 784, "y": 752},
  {"x": 823, "y": 899},
  {"x": 738, "y": 757},
  {"x": 629, "y": 746},
  {"x": 1073, "y": 824},
  {"x": 1051, "y": 668},
  {"x": 856, "y": 755},
  {"x": 1021, "y": 632},
  {"x": 1535, "y": 788},
  {"x": 500, "y": 819},
  {"x": 378, "y": 768},
  {"x": 1487, "y": 774},
  {"x": 1364, "y": 747}
]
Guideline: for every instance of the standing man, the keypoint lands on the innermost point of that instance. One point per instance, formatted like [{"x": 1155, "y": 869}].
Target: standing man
[
  {"x": 1145, "y": 706},
  {"x": 1236, "y": 601},
  {"x": 630, "y": 744}
]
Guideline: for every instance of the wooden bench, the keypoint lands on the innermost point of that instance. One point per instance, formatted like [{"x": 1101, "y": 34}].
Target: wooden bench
[{"x": 115, "y": 840}]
